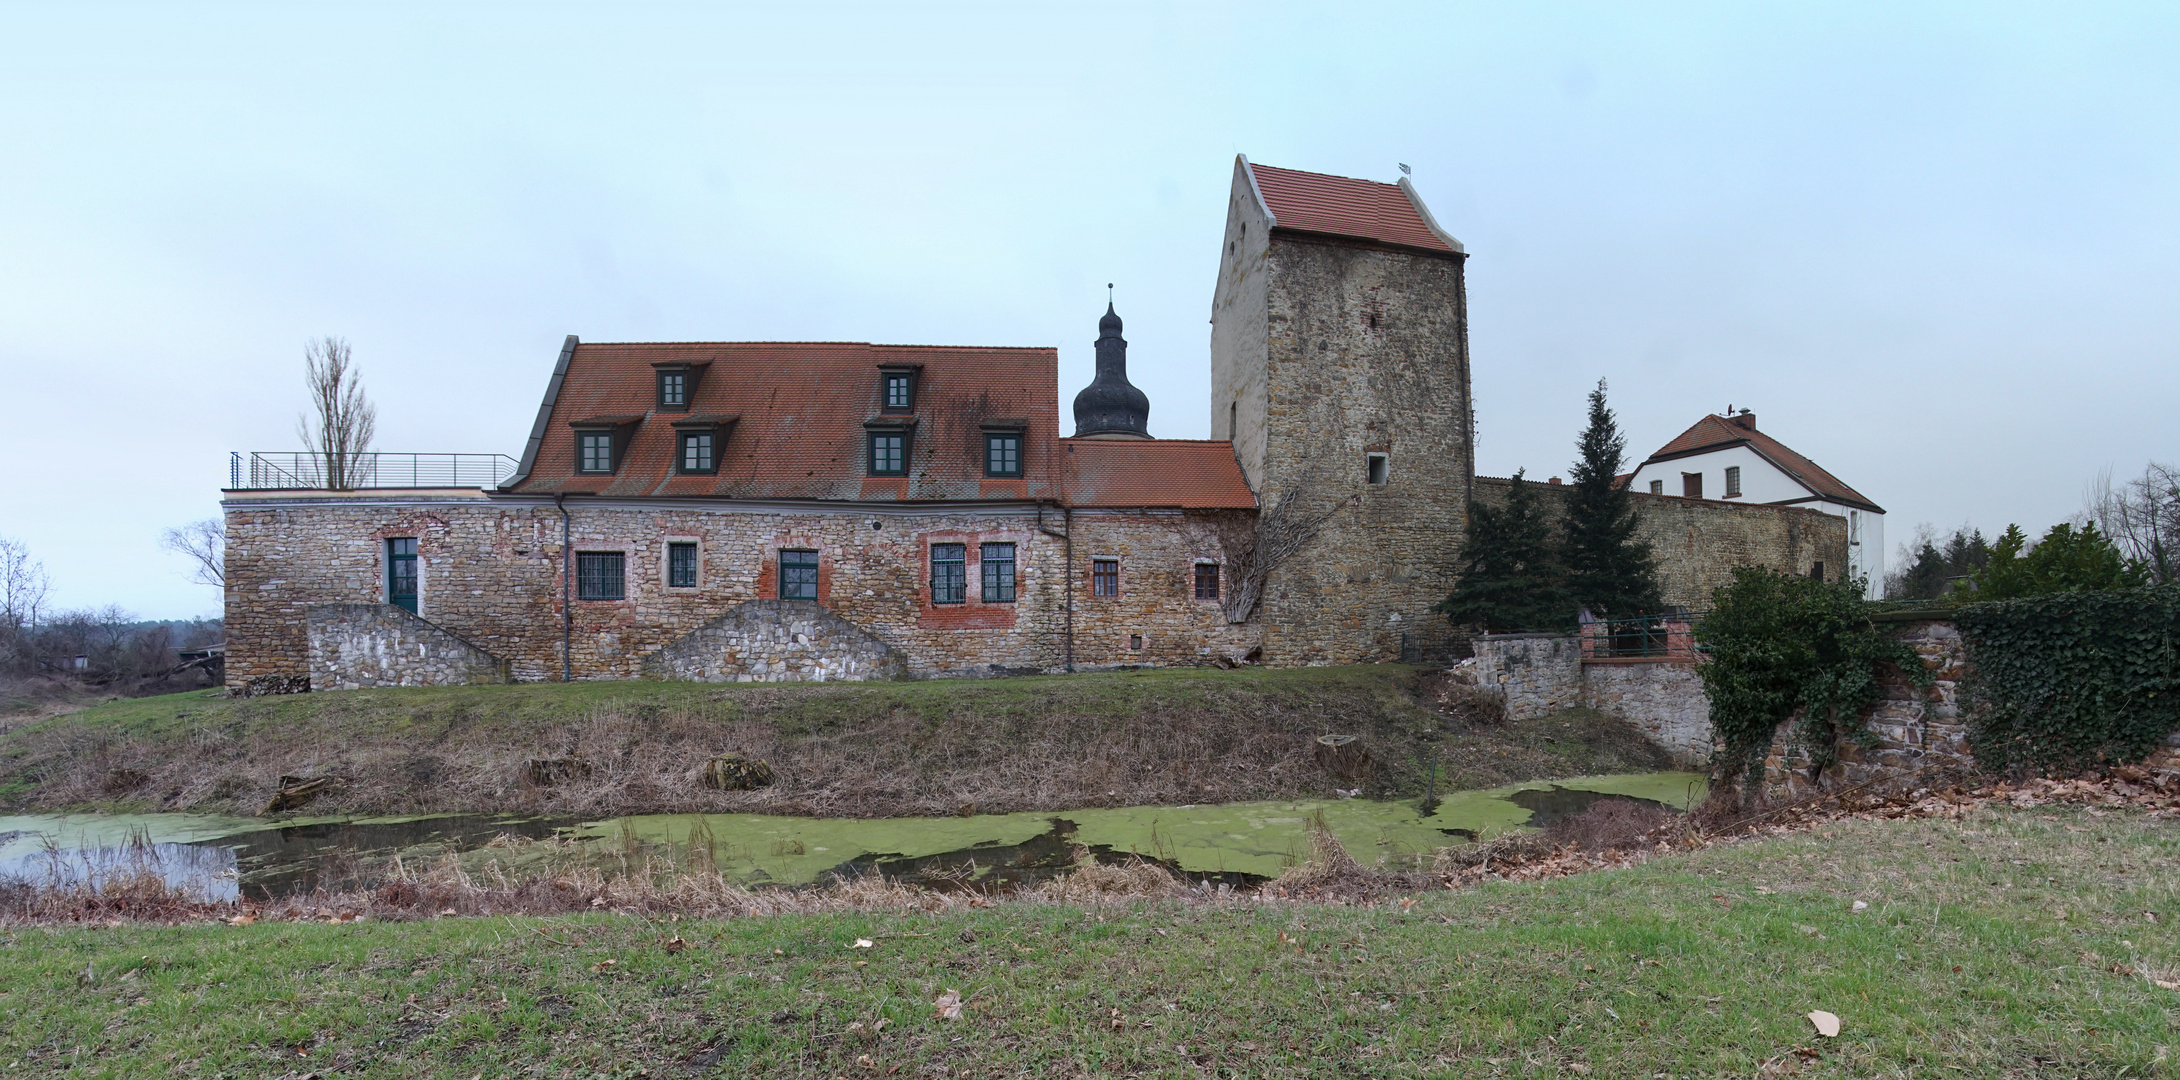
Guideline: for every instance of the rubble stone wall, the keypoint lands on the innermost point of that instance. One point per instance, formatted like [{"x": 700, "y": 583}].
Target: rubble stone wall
[
  {"x": 490, "y": 572},
  {"x": 1664, "y": 698},
  {"x": 354, "y": 646},
  {"x": 1536, "y": 674},
  {"x": 776, "y": 641}
]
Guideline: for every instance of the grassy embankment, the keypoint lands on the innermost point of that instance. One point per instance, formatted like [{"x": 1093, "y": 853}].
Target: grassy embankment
[
  {"x": 2012, "y": 943},
  {"x": 931, "y": 747}
]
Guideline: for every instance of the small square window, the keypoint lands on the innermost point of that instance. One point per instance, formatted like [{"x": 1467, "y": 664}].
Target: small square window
[
  {"x": 600, "y": 575},
  {"x": 949, "y": 573},
  {"x": 681, "y": 566},
  {"x": 1377, "y": 467},
  {"x": 1003, "y": 455},
  {"x": 1135, "y": 642},
  {"x": 798, "y": 575},
  {"x": 900, "y": 391},
  {"x": 998, "y": 566},
  {"x": 673, "y": 389},
  {"x": 1733, "y": 481},
  {"x": 696, "y": 452},
  {"x": 1105, "y": 577},
  {"x": 1657, "y": 487},
  {"x": 1207, "y": 581},
  {"x": 595, "y": 451},
  {"x": 889, "y": 453}
]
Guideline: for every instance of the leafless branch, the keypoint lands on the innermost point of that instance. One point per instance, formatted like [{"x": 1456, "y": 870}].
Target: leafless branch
[
  {"x": 2142, "y": 516},
  {"x": 205, "y": 543},
  {"x": 345, "y": 420}
]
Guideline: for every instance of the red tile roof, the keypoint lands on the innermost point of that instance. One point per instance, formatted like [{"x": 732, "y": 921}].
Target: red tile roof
[
  {"x": 1715, "y": 431},
  {"x": 1187, "y": 473},
  {"x": 799, "y": 433},
  {"x": 1313, "y": 202}
]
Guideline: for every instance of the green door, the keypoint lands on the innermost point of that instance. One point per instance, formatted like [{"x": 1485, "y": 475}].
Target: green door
[{"x": 401, "y": 572}]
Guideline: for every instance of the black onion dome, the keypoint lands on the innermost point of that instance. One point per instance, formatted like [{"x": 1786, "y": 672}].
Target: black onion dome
[{"x": 1111, "y": 405}]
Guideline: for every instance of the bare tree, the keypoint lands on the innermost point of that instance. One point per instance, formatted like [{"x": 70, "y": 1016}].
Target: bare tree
[
  {"x": 23, "y": 586},
  {"x": 345, "y": 420},
  {"x": 1281, "y": 530},
  {"x": 2142, "y": 516},
  {"x": 205, "y": 543}
]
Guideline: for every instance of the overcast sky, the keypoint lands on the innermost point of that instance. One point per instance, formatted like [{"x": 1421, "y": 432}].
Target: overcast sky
[{"x": 1934, "y": 247}]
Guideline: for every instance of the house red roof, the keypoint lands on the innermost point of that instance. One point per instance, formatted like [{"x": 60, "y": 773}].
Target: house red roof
[
  {"x": 793, "y": 421},
  {"x": 1340, "y": 206},
  {"x": 1715, "y": 432},
  {"x": 798, "y": 411},
  {"x": 1188, "y": 473}
]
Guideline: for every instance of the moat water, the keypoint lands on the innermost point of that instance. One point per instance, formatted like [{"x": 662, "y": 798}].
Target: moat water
[{"x": 223, "y": 858}]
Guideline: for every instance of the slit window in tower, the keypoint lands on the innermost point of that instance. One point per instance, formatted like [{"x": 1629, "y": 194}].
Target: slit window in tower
[{"x": 1377, "y": 467}]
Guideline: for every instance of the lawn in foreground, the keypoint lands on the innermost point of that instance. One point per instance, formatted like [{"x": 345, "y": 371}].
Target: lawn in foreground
[{"x": 2014, "y": 943}]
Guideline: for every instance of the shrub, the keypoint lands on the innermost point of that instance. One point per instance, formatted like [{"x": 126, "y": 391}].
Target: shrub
[
  {"x": 2073, "y": 680},
  {"x": 1779, "y": 643}
]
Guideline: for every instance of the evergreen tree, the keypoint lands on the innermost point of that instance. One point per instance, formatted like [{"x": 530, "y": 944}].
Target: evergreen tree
[
  {"x": 1609, "y": 571},
  {"x": 1511, "y": 576},
  {"x": 2065, "y": 560}
]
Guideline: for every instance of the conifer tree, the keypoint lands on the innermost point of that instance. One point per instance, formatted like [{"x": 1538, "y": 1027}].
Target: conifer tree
[
  {"x": 1511, "y": 576},
  {"x": 1609, "y": 571}
]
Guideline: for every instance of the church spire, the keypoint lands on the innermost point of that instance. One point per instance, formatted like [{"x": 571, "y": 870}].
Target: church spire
[{"x": 1110, "y": 407}]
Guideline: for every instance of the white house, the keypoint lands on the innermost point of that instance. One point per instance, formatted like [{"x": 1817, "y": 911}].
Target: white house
[{"x": 1725, "y": 457}]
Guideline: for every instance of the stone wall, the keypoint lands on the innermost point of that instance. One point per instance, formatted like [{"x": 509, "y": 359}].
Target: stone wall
[
  {"x": 1664, "y": 698},
  {"x": 1699, "y": 542},
  {"x": 776, "y": 641},
  {"x": 354, "y": 646},
  {"x": 490, "y": 568},
  {"x": 1916, "y": 730},
  {"x": 1367, "y": 352},
  {"x": 1536, "y": 674}
]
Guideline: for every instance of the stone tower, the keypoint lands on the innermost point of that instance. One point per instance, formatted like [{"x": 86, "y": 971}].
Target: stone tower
[{"x": 1339, "y": 368}]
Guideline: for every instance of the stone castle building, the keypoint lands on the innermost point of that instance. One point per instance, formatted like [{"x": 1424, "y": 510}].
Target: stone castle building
[{"x": 763, "y": 511}]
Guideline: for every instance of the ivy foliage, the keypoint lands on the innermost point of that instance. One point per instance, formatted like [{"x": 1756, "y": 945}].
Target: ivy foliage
[
  {"x": 1780, "y": 643},
  {"x": 1511, "y": 575},
  {"x": 2073, "y": 680}
]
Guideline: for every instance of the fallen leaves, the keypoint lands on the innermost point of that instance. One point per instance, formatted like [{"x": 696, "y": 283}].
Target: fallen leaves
[
  {"x": 604, "y": 966},
  {"x": 244, "y": 919},
  {"x": 674, "y": 944},
  {"x": 949, "y": 1005},
  {"x": 1827, "y": 1024},
  {"x": 862, "y": 943}
]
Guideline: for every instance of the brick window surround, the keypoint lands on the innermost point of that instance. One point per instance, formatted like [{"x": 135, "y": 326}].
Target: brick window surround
[
  {"x": 798, "y": 574},
  {"x": 949, "y": 573},
  {"x": 997, "y": 563}
]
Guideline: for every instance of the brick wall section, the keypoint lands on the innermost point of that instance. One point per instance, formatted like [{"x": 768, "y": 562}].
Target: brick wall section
[
  {"x": 1367, "y": 351},
  {"x": 1699, "y": 542},
  {"x": 353, "y": 646},
  {"x": 776, "y": 641},
  {"x": 490, "y": 568}
]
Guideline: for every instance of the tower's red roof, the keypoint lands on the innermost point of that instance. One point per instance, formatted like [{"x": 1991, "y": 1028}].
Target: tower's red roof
[{"x": 1341, "y": 206}]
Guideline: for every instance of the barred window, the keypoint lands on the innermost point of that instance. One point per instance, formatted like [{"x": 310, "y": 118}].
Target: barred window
[
  {"x": 600, "y": 575},
  {"x": 798, "y": 575},
  {"x": 1002, "y": 455},
  {"x": 1207, "y": 581},
  {"x": 681, "y": 566},
  {"x": 1105, "y": 577},
  {"x": 949, "y": 573},
  {"x": 696, "y": 452},
  {"x": 998, "y": 562},
  {"x": 1733, "y": 480},
  {"x": 596, "y": 451},
  {"x": 889, "y": 453}
]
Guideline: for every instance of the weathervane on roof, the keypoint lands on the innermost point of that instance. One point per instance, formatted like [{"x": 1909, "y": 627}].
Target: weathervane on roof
[{"x": 1404, "y": 169}]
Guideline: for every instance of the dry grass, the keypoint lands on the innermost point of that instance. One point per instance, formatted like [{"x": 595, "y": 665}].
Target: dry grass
[{"x": 928, "y": 748}]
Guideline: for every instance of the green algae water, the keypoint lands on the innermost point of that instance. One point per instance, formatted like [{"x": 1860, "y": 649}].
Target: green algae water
[
  {"x": 1232, "y": 841},
  {"x": 222, "y": 858}
]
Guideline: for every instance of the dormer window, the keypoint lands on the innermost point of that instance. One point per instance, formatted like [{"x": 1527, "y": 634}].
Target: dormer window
[
  {"x": 677, "y": 383},
  {"x": 889, "y": 452},
  {"x": 897, "y": 388},
  {"x": 596, "y": 448},
  {"x": 1002, "y": 453},
  {"x": 698, "y": 441},
  {"x": 696, "y": 452}
]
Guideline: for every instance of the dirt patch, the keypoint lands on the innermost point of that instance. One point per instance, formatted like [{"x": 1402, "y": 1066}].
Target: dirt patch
[{"x": 927, "y": 748}]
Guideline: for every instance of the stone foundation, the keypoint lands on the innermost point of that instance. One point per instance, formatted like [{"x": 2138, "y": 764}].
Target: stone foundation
[
  {"x": 354, "y": 646},
  {"x": 1663, "y": 698},
  {"x": 776, "y": 641}
]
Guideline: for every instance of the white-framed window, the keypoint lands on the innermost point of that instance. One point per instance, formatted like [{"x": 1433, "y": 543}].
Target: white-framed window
[{"x": 1733, "y": 481}]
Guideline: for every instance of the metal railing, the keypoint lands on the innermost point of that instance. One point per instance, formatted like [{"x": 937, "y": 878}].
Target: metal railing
[
  {"x": 258, "y": 471},
  {"x": 1669, "y": 636}
]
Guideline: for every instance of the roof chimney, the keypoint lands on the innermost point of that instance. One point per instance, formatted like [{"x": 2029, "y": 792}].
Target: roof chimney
[
  {"x": 1554, "y": 481},
  {"x": 1745, "y": 419}
]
